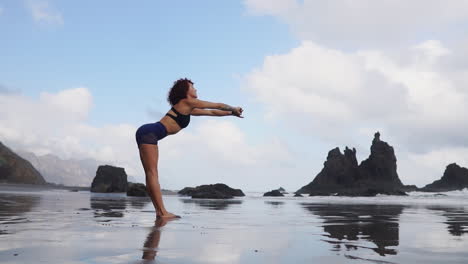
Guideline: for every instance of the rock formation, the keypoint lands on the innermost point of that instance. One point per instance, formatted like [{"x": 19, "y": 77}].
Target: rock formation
[
  {"x": 212, "y": 191},
  {"x": 380, "y": 169},
  {"x": 14, "y": 169},
  {"x": 339, "y": 172},
  {"x": 109, "y": 179},
  {"x": 136, "y": 189},
  {"x": 274, "y": 193},
  {"x": 342, "y": 175},
  {"x": 454, "y": 178}
]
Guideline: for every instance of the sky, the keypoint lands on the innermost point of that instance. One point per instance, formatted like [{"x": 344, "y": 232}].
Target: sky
[{"x": 77, "y": 78}]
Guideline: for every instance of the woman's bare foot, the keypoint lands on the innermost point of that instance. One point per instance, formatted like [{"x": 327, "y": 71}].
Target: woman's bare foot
[{"x": 167, "y": 215}]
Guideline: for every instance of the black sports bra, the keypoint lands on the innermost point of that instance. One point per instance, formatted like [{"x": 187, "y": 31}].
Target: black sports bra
[{"x": 181, "y": 120}]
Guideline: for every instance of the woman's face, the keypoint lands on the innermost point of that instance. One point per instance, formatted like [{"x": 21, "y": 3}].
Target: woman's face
[{"x": 192, "y": 92}]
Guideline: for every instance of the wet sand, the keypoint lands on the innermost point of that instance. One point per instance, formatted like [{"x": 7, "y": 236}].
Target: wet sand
[{"x": 59, "y": 226}]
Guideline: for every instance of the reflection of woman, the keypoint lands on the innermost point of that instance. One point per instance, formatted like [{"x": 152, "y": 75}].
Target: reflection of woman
[
  {"x": 152, "y": 241},
  {"x": 184, "y": 102}
]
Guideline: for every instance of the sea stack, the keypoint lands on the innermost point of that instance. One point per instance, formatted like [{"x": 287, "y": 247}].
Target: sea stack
[
  {"x": 454, "y": 178},
  {"x": 342, "y": 175},
  {"x": 109, "y": 179}
]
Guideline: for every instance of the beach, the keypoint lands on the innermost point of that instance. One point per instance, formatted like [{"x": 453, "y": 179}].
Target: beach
[{"x": 61, "y": 226}]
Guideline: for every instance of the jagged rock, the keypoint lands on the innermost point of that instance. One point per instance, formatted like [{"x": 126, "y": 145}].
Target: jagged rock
[
  {"x": 14, "y": 169},
  {"x": 212, "y": 191},
  {"x": 136, "y": 189},
  {"x": 380, "y": 169},
  {"x": 274, "y": 193},
  {"x": 281, "y": 189},
  {"x": 454, "y": 178},
  {"x": 109, "y": 179},
  {"x": 340, "y": 171},
  {"x": 342, "y": 175}
]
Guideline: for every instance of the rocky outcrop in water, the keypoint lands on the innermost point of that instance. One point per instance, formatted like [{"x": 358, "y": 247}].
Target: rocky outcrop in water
[
  {"x": 211, "y": 191},
  {"x": 454, "y": 178},
  {"x": 109, "y": 179},
  {"x": 136, "y": 189},
  {"x": 274, "y": 193},
  {"x": 14, "y": 169},
  {"x": 342, "y": 175}
]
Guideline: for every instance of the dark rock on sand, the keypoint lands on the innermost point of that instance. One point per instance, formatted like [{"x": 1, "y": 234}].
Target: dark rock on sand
[
  {"x": 454, "y": 178},
  {"x": 212, "y": 191},
  {"x": 14, "y": 169},
  {"x": 136, "y": 189},
  {"x": 188, "y": 191},
  {"x": 109, "y": 179},
  {"x": 342, "y": 175},
  {"x": 274, "y": 193},
  {"x": 410, "y": 188}
]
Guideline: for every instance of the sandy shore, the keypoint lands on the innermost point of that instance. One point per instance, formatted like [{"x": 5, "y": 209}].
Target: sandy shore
[{"x": 59, "y": 226}]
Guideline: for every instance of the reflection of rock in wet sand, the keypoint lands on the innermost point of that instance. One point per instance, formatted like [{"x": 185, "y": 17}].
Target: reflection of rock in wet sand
[
  {"x": 138, "y": 202},
  {"x": 375, "y": 223},
  {"x": 275, "y": 204},
  {"x": 457, "y": 219},
  {"x": 11, "y": 209},
  {"x": 12, "y": 206},
  {"x": 212, "y": 204},
  {"x": 108, "y": 206}
]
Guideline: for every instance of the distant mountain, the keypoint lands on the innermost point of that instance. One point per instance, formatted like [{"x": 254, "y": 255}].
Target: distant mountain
[
  {"x": 70, "y": 172},
  {"x": 15, "y": 169}
]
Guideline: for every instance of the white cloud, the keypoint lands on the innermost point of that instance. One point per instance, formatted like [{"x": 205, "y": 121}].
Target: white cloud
[
  {"x": 77, "y": 101},
  {"x": 212, "y": 151},
  {"x": 209, "y": 151},
  {"x": 432, "y": 164},
  {"x": 409, "y": 95},
  {"x": 44, "y": 12},
  {"x": 363, "y": 22},
  {"x": 57, "y": 123}
]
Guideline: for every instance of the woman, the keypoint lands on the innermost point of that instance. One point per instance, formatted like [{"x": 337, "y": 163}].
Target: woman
[{"x": 184, "y": 102}]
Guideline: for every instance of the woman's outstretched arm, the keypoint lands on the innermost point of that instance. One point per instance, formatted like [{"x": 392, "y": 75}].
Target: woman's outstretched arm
[
  {"x": 216, "y": 109},
  {"x": 210, "y": 112}
]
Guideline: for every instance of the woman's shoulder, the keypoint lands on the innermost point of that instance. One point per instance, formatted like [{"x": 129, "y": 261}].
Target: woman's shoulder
[{"x": 182, "y": 107}]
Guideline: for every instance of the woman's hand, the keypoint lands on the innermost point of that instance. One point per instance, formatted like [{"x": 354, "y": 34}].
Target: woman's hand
[{"x": 237, "y": 111}]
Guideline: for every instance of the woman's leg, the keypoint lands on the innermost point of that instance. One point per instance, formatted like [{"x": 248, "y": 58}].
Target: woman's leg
[{"x": 149, "y": 158}]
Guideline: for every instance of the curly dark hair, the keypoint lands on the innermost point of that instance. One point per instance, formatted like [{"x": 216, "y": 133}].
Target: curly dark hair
[{"x": 178, "y": 91}]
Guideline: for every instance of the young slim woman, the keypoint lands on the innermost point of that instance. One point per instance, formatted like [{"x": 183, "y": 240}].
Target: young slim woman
[{"x": 183, "y": 99}]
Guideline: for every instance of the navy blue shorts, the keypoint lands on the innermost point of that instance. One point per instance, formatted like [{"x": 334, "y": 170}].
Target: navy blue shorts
[{"x": 150, "y": 133}]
